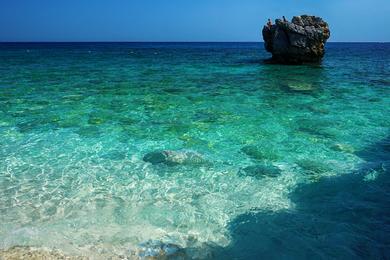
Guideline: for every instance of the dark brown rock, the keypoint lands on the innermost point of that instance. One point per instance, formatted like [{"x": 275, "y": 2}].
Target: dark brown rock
[{"x": 300, "y": 41}]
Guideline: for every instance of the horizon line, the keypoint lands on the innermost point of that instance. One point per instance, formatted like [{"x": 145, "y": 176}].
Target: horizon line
[{"x": 2, "y": 42}]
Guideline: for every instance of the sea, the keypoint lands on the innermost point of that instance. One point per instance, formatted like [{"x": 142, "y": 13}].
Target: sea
[{"x": 292, "y": 161}]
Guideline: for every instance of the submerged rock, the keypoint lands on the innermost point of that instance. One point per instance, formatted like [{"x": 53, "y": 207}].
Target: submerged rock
[
  {"x": 317, "y": 127},
  {"x": 300, "y": 87},
  {"x": 313, "y": 167},
  {"x": 260, "y": 170},
  {"x": 300, "y": 41},
  {"x": 155, "y": 249},
  {"x": 343, "y": 148},
  {"x": 171, "y": 158},
  {"x": 258, "y": 153},
  {"x": 94, "y": 120}
]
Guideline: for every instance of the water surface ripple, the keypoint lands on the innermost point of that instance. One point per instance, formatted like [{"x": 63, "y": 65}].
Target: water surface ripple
[{"x": 282, "y": 145}]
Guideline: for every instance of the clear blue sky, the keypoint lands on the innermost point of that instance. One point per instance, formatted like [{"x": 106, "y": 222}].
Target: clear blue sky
[{"x": 182, "y": 20}]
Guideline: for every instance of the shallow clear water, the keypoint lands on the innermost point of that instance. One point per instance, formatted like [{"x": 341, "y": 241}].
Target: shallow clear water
[{"x": 77, "y": 119}]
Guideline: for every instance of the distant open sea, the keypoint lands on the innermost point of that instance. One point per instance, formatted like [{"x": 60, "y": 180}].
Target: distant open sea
[{"x": 296, "y": 158}]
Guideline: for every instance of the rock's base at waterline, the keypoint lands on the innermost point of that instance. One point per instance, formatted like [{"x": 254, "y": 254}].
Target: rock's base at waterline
[{"x": 300, "y": 41}]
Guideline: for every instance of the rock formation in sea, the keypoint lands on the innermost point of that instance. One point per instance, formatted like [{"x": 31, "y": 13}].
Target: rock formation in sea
[{"x": 300, "y": 41}]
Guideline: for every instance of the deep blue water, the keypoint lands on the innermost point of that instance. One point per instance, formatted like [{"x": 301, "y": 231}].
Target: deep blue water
[{"x": 294, "y": 159}]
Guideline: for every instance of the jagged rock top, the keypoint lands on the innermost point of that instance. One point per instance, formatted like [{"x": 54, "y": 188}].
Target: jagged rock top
[{"x": 299, "y": 41}]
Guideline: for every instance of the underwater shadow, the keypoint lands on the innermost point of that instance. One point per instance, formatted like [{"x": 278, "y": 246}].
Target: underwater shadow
[{"x": 345, "y": 217}]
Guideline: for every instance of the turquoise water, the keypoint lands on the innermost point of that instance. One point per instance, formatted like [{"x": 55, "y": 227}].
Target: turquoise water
[{"x": 279, "y": 143}]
